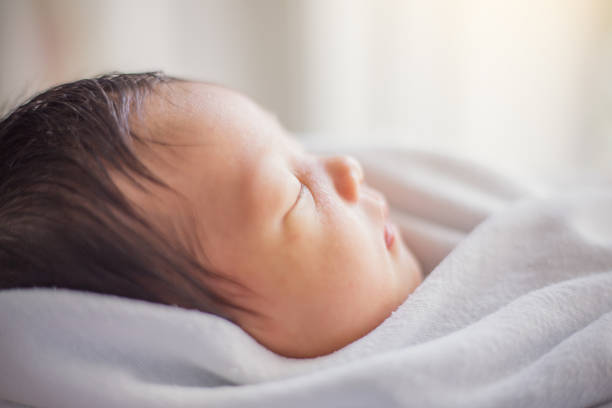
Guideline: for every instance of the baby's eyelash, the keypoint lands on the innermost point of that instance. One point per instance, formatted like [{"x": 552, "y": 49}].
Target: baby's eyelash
[
  {"x": 301, "y": 193},
  {"x": 297, "y": 199},
  {"x": 304, "y": 189}
]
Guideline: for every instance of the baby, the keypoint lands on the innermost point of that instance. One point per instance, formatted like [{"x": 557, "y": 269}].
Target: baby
[{"x": 186, "y": 193}]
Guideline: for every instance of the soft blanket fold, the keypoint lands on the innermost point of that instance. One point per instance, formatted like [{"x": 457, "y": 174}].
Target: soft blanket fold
[{"x": 516, "y": 311}]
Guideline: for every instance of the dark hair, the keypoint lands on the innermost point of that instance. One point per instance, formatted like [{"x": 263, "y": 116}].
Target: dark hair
[{"x": 64, "y": 222}]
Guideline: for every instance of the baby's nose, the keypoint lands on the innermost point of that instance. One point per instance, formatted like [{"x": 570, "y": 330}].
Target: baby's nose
[{"x": 347, "y": 174}]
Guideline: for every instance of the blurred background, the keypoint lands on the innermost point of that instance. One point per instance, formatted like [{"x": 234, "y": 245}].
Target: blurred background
[{"x": 523, "y": 85}]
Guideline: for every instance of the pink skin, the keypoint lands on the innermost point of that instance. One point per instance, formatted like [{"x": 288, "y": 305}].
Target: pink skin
[{"x": 303, "y": 233}]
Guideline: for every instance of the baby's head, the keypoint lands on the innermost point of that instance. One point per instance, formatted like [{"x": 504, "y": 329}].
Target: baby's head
[{"x": 190, "y": 194}]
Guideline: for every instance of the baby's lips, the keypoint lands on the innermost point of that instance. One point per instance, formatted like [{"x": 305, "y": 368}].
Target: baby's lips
[{"x": 389, "y": 234}]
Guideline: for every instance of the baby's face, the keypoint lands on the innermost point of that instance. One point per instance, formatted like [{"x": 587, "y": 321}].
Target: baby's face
[{"x": 302, "y": 232}]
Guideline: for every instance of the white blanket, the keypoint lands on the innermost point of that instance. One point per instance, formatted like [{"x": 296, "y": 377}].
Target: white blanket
[{"x": 518, "y": 313}]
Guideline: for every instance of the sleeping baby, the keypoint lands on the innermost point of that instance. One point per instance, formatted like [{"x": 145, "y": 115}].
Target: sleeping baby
[{"x": 189, "y": 194}]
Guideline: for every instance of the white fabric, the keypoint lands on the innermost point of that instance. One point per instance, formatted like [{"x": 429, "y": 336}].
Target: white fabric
[{"x": 518, "y": 314}]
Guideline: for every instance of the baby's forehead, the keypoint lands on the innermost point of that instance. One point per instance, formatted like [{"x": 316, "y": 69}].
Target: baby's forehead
[
  {"x": 212, "y": 127},
  {"x": 188, "y": 112},
  {"x": 206, "y": 99}
]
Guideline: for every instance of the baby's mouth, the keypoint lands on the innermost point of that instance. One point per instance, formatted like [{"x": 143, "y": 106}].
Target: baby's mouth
[
  {"x": 389, "y": 230},
  {"x": 389, "y": 234}
]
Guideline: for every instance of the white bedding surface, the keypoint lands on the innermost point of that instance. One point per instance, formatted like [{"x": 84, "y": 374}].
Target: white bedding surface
[{"x": 516, "y": 311}]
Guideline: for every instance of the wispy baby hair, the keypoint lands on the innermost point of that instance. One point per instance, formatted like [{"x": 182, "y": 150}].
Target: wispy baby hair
[{"x": 64, "y": 222}]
